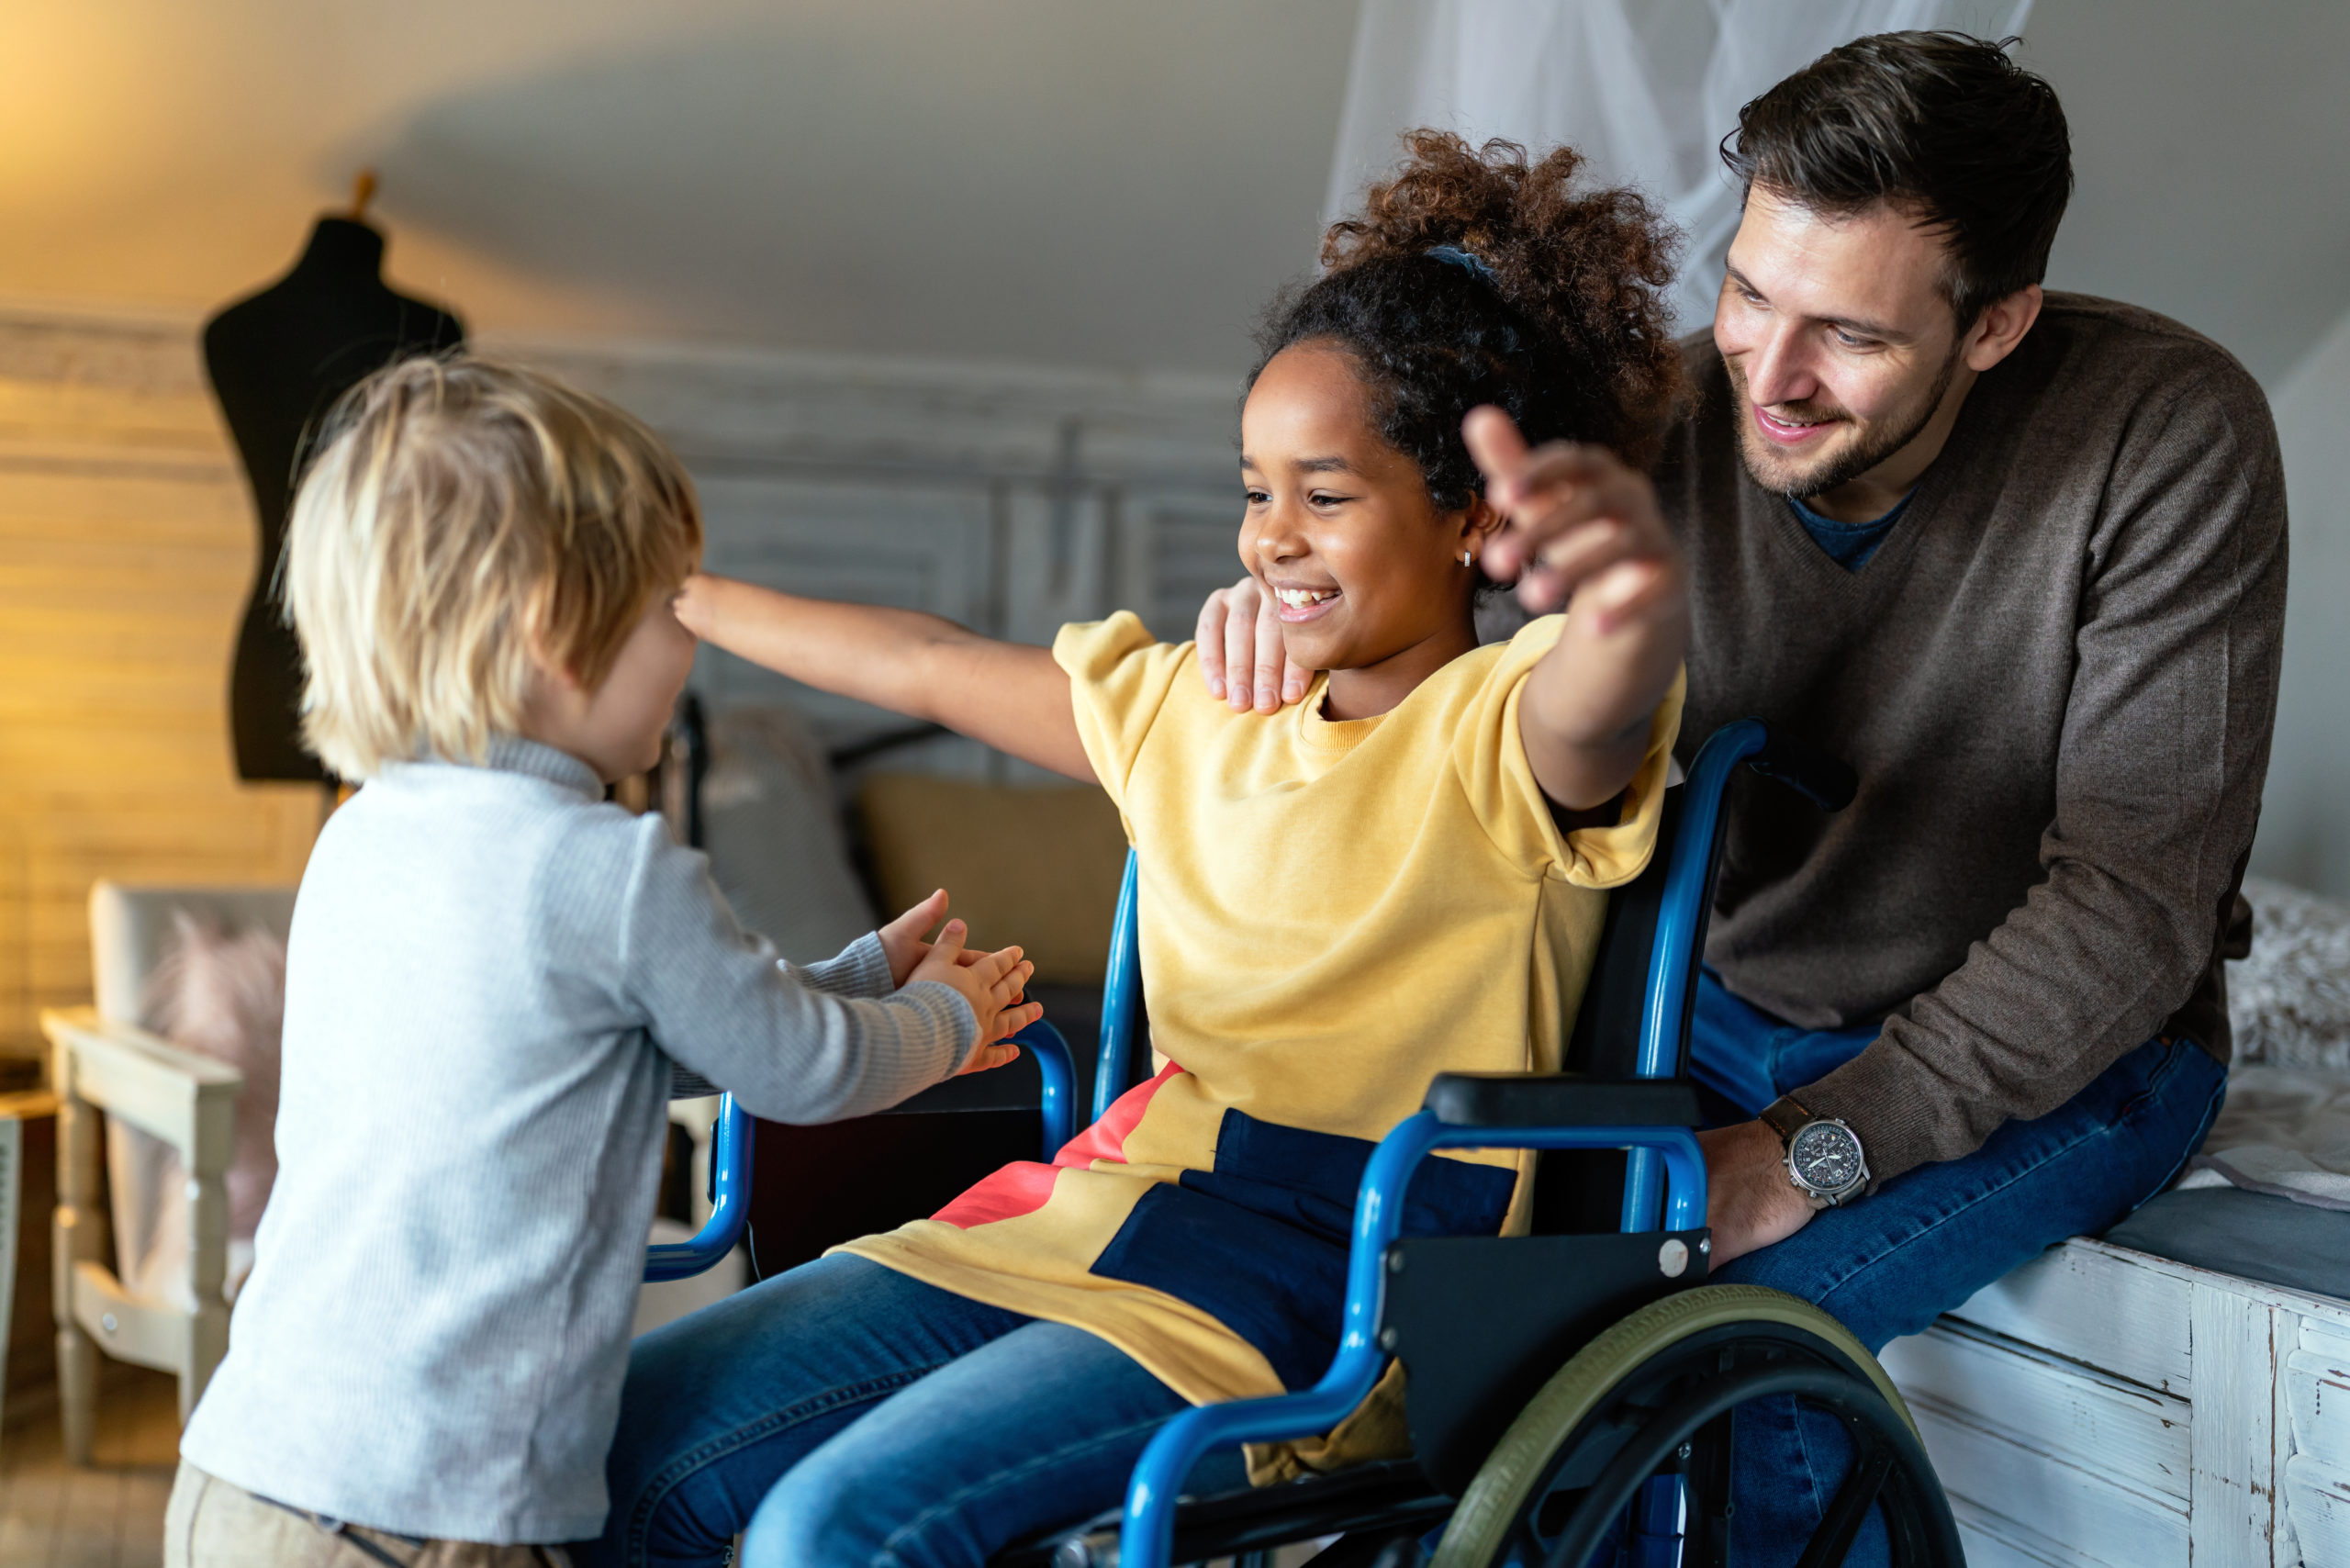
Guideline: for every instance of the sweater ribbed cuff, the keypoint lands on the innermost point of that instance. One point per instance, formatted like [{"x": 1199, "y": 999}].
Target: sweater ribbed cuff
[
  {"x": 859, "y": 969},
  {"x": 954, "y": 1026}
]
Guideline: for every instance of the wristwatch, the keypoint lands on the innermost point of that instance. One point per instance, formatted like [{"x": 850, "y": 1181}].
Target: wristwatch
[{"x": 1823, "y": 1155}]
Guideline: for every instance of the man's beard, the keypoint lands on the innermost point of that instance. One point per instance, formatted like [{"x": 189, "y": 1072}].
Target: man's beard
[{"x": 1877, "y": 441}]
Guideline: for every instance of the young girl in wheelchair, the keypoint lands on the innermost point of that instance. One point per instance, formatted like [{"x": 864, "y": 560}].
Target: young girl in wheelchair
[{"x": 1401, "y": 875}]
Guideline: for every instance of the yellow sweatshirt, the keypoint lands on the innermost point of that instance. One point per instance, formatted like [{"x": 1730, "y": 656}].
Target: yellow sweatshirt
[{"x": 1332, "y": 913}]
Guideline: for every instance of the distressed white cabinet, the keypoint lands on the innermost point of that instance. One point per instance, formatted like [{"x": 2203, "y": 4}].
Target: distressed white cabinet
[{"x": 2104, "y": 1406}]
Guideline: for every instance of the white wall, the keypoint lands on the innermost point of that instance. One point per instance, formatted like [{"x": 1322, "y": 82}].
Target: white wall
[
  {"x": 1100, "y": 183},
  {"x": 2305, "y": 822},
  {"x": 2210, "y": 155}
]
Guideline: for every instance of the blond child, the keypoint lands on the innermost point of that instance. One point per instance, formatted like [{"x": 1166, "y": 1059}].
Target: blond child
[{"x": 494, "y": 978}]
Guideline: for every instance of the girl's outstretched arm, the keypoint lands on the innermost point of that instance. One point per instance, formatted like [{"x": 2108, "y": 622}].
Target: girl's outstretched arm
[
  {"x": 1580, "y": 523},
  {"x": 1009, "y": 695}
]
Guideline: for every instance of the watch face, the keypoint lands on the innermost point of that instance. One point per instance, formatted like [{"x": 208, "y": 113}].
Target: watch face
[{"x": 1827, "y": 1158}]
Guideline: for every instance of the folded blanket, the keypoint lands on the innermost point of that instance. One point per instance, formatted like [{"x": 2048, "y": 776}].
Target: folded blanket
[
  {"x": 2289, "y": 999},
  {"x": 2284, "y": 1131}
]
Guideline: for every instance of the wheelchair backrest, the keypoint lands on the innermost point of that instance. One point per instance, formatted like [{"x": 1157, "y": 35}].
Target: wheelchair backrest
[
  {"x": 1579, "y": 1191},
  {"x": 1606, "y": 1040}
]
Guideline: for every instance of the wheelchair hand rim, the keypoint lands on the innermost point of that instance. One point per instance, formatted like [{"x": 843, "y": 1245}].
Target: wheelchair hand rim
[
  {"x": 1849, "y": 1397},
  {"x": 1519, "y": 1461}
]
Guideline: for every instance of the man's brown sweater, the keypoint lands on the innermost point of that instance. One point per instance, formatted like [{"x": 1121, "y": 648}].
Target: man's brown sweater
[{"x": 2056, "y": 678}]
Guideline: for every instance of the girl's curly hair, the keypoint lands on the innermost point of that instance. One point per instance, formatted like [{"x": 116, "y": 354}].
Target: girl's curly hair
[{"x": 1548, "y": 302}]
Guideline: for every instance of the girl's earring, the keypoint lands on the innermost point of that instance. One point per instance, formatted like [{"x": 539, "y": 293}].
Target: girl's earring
[{"x": 1467, "y": 556}]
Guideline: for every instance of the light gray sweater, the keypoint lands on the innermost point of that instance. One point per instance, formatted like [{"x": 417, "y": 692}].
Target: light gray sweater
[{"x": 490, "y": 979}]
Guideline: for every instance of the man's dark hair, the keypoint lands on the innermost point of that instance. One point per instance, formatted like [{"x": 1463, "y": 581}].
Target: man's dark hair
[{"x": 1941, "y": 123}]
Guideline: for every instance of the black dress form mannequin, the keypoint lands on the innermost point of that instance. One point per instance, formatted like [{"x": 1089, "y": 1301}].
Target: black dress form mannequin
[{"x": 279, "y": 360}]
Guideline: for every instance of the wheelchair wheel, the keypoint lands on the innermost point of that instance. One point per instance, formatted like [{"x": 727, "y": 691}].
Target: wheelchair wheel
[{"x": 1652, "y": 1397}]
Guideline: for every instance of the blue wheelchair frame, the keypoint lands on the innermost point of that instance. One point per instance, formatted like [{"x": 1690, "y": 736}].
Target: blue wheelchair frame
[
  {"x": 731, "y": 1146},
  {"x": 1664, "y": 1178}
]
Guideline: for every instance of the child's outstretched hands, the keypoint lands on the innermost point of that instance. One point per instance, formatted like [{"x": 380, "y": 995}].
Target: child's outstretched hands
[
  {"x": 993, "y": 983},
  {"x": 902, "y": 938}
]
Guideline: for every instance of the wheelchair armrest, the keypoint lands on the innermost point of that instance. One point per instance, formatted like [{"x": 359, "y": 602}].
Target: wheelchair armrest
[
  {"x": 1057, "y": 1070},
  {"x": 1560, "y": 1100}
]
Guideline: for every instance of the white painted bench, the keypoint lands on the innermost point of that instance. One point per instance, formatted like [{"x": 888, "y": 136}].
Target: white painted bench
[{"x": 2101, "y": 1406}]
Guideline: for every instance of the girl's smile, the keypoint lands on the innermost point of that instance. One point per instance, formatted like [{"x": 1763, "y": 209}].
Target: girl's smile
[
  {"x": 1366, "y": 573},
  {"x": 1298, "y": 605}
]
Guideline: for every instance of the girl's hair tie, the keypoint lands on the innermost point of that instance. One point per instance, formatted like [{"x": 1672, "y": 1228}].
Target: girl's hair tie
[{"x": 1472, "y": 264}]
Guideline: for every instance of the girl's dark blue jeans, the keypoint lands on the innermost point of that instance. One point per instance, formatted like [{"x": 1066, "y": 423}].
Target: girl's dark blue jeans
[{"x": 1892, "y": 1262}]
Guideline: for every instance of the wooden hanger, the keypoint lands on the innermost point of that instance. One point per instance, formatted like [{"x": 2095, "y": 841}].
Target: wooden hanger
[{"x": 363, "y": 191}]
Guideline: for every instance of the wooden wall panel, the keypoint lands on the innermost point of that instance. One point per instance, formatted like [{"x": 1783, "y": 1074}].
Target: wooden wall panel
[{"x": 126, "y": 547}]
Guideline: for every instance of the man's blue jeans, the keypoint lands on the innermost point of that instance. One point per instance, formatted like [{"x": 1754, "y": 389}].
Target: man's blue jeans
[
  {"x": 1890, "y": 1264},
  {"x": 845, "y": 1413}
]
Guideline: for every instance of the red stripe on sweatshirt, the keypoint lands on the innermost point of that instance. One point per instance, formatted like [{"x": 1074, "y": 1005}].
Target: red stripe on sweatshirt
[{"x": 1025, "y": 1187}]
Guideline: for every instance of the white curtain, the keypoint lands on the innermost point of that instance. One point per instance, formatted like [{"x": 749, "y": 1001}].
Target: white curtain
[
  {"x": 1645, "y": 88},
  {"x": 2304, "y": 830}
]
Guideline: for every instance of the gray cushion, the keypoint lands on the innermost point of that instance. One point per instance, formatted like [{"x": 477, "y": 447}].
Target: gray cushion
[
  {"x": 2289, "y": 999},
  {"x": 2249, "y": 1234},
  {"x": 772, "y": 829}
]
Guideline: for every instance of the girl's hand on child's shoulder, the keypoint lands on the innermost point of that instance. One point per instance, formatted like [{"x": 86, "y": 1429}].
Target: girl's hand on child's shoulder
[{"x": 995, "y": 984}]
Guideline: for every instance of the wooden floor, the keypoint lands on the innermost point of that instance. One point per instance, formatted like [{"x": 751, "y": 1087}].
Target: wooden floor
[{"x": 109, "y": 1515}]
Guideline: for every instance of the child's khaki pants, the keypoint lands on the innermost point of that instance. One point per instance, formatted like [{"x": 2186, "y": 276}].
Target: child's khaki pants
[{"x": 211, "y": 1524}]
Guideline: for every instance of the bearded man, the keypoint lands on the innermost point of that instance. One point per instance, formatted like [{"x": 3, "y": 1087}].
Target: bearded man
[{"x": 2019, "y": 557}]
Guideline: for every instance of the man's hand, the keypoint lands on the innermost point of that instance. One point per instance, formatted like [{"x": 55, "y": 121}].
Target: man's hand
[
  {"x": 1576, "y": 521},
  {"x": 1750, "y": 1201},
  {"x": 1242, "y": 655},
  {"x": 993, "y": 983}
]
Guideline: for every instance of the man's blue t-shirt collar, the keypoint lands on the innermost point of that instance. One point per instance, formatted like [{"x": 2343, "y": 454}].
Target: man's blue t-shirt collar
[{"x": 1849, "y": 544}]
